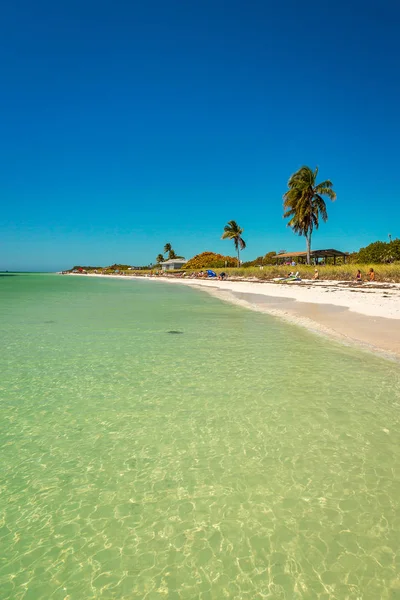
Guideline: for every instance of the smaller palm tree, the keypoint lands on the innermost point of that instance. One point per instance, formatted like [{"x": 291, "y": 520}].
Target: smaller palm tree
[
  {"x": 232, "y": 231},
  {"x": 160, "y": 258}
]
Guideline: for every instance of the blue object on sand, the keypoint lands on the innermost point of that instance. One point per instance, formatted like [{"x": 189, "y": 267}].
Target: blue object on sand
[{"x": 211, "y": 273}]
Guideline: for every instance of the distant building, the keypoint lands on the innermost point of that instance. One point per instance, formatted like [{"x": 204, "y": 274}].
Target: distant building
[{"x": 173, "y": 264}]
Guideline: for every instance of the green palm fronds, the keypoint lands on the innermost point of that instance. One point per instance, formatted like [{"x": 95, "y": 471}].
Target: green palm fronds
[
  {"x": 232, "y": 231},
  {"x": 304, "y": 205}
]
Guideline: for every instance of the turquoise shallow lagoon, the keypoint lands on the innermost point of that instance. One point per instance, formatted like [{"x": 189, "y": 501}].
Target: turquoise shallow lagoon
[{"x": 242, "y": 458}]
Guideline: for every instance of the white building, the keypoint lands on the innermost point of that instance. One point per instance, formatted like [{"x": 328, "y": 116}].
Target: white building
[{"x": 173, "y": 264}]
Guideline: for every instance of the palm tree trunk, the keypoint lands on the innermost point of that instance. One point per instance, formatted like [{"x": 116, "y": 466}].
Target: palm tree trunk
[
  {"x": 308, "y": 241},
  {"x": 238, "y": 251}
]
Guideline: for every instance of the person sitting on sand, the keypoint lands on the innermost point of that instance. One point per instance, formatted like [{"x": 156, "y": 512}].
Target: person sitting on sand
[
  {"x": 358, "y": 276},
  {"x": 222, "y": 276},
  {"x": 316, "y": 274},
  {"x": 371, "y": 274}
]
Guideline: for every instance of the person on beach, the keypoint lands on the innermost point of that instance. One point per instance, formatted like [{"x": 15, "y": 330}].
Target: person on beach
[
  {"x": 316, "y": 274},
  {"x": 222, "y": 276},
  {"x": 359, "y": 276},
  {"x": 371, "y": 274}
]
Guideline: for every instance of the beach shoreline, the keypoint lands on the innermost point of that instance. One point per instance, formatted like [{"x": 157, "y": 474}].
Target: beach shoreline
[{"x": 367, "y": 316}]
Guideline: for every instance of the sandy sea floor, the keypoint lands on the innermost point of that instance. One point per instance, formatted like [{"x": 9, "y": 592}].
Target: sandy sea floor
[
  {"x": 245, "y": 458},
  {"x": 367, "y": 315}
]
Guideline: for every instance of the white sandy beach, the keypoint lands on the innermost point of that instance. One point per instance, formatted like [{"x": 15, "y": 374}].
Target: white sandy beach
[{"x": 367, "y": 314}]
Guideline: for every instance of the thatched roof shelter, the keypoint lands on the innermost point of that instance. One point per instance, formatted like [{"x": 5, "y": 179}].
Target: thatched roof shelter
[{"x": 316, "y": 254}]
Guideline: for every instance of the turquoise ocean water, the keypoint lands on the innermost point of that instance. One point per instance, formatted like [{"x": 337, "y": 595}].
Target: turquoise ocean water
[{"x": 242, "y": 458}]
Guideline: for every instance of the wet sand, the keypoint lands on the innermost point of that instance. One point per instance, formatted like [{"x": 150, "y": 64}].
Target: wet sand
[{"x": 372, "y": 332}]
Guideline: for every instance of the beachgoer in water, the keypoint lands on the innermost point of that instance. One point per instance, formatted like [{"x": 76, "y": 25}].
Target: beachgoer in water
[
  {"x": 316, "y": 274},
  {"x": 371, "y": 274}
]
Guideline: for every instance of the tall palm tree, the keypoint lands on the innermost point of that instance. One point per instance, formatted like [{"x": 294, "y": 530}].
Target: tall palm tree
[
  {"x": 167, "y": 248},
  {"x": 160, "y": 258},
  {"x": 303, "y": 203},
  {"x": 232, "y": 231}
]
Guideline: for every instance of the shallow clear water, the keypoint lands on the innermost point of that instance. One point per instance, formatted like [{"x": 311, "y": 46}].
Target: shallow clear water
[{"x": 242, "y": 458}]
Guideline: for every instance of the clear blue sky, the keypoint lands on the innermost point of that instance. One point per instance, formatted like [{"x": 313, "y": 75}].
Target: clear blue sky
[{"x": 126, "y": 125}]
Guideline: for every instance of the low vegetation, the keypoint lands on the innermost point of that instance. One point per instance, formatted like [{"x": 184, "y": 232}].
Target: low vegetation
[
  {"x": 380, "y": 252},
  {"x": 267, "y": 259},
  {"x": 384, "y": 273},
  {"x": 210, "y": 260}
]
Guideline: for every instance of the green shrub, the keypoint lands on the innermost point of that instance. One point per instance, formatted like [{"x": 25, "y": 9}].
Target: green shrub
[
  {"x": 210, "y": 260},
  {"x": 380, "y": 252},
  {"x": 267, "y": 259}
]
